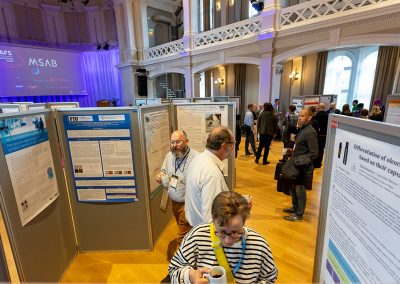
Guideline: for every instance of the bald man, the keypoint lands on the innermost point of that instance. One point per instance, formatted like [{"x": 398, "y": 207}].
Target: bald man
[
  {"x": 173, "y": 177},
  {"x": 205, "y": 178},
  {"x": 305, "y": 151}
]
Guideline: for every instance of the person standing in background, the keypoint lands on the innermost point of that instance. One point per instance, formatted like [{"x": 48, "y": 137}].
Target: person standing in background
[
  {"x": 354, "y": 105},
  {"x": 278, "y": 114},
  {"x": 322, "y": 117},
  {"x": 267, "y": 125},
  {"x": 249, "y": 123}
]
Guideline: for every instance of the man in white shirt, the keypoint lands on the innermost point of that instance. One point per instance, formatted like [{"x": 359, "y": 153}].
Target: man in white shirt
[
  {"x": 249, "y": 122},
  {"x": 173, "y": 176},
  {"x": 205, "y": 178}
]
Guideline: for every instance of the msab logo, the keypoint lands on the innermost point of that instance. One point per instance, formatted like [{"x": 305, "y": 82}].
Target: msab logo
[
  {"x": 42, "y": 62},
  {"x": 6, "y": 52}
]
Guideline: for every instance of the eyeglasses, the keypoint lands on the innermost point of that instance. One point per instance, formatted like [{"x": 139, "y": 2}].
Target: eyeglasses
[
  {"x": 233, "y": 235},
  {"x": 176, "y": 142}
]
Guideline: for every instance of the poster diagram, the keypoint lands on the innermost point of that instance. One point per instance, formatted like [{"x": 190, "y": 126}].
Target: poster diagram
[
  {"x": 100, "y": 150},
  {"x": 27, "y": 151},
  {"x": 363, "y": 218},
  {"x": 156, "y": 129},
  {"x": 198, "y": 121}
]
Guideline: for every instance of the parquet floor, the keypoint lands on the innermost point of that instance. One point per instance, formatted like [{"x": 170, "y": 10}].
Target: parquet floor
[{"x": 292, "y": 243}]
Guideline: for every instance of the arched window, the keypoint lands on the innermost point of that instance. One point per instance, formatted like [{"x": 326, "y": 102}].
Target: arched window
[{"x": 338, "y": 76}]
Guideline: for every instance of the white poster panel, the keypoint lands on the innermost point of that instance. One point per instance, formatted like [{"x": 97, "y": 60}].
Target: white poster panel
[
  {"x": 361, "y": 242},
  {"x": 198, "y": 121},
  {"x": 30, "y": 164},
  {"x": 393, "y": 112},
  {"x": 156, "y": 129}
]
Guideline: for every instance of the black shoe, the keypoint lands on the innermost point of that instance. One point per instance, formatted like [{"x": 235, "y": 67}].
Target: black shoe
[
  {"x": 248, "y": 153},
  {"x": 167, "y": 279},
  {"x": 289, "y": 210},
  {"x": 256, "y": 161},
  {"x": 293, "y": 217},
  {"x": 266, "y": 163}
]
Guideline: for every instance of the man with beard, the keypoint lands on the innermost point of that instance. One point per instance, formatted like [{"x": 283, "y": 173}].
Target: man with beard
[{"x": 173, "y": 176}]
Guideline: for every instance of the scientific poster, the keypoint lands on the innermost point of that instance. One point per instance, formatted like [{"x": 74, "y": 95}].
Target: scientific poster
[
  {"x": 198, "y": 121},
  {"x": 361, "y": 242},
  {"x": 393, "y": 112},
  {"x": 27, "y": 151},
  {"x": 156, "y": 129},
  {"x": 100, "y": 149}
]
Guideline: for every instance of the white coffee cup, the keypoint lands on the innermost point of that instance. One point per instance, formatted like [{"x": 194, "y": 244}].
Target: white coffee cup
[
  {"x": 217, "y": 275},
  {"x": 284, "y": 151},
  {"x": 165, "y": 180}
]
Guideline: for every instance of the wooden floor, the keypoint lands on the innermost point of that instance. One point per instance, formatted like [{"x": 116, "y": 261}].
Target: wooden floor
[{"x": 292, "y": 243}]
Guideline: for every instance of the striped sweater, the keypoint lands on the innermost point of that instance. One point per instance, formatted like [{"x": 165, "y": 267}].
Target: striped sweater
[{"x": 195, "y": 251}]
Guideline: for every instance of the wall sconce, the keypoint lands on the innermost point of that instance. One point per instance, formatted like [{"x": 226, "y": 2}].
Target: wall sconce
[
  {"x": 219, "y": 82},
  {"x": 294, "y": 76},
  {"x": 218, "y": 6}
]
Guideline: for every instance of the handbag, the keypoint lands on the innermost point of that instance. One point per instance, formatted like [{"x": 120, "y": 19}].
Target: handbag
[
  {"x": 278, "y": 170},
  {"x": 289, "y": 171}
]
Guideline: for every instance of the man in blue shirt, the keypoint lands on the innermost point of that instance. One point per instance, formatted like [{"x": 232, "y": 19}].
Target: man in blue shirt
[{"x": 249, "y": 122}]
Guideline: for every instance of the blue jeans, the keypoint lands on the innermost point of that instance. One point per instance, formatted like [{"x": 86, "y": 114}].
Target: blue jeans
[{"x": 299, "y": 199}]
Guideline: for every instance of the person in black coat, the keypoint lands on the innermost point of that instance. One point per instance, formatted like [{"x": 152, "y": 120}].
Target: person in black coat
[
  {"x": 267, "y": 124},
  {"x": 322, "y": 117},
  {"x": 305, "y": 151}
]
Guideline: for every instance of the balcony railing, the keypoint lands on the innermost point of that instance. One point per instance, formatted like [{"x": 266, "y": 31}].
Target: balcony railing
[
  {"x": 164, "y": 50},
  {"x": 235, "y": 31},
  {"x": 316, "y": 9}
]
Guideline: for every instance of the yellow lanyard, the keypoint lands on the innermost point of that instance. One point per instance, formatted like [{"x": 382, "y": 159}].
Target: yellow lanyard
[{"x": 220, "y": 255}]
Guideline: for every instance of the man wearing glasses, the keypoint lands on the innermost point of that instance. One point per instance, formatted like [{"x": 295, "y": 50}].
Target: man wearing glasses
[
  {"x": 173, "y": 177},
  {"x": 205, "y": 178},
  {"x": 247, "y": 255}
]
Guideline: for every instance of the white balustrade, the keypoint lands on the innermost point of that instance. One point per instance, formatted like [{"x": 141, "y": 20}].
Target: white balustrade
[
  {"x": 235, "y": 31},
  {"x": 316, "y": 9},
  {"x": 164, "y": 50}
]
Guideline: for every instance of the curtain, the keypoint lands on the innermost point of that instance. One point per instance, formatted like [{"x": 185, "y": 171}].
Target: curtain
[
  {"x": 101, "y": 78},
  {"x": 320, "y": 73},
  {"x": 240, "y": 86},
  {"x": 252, "y": 90},
  {"x": 388, "y": 58}
]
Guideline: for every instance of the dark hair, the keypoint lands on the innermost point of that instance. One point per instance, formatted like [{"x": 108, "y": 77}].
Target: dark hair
[
  {"x": 217, "y": 137},
  {"x": 268, "y": 107},
  {"x": 360, "y": 106},
  {"x": 346, "y": 108},
  {"x": 228, "y": 204},
  {"x": 292, "y": 108},
  {"x": 355, "y": 101},
  {"x": 313, "y": 109},
  {"x": 364, "y": 112},
  {"x": 249, "y": 106}
]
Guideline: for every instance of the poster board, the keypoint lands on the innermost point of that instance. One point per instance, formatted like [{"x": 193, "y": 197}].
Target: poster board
[
  {"x": 298, "y": 102},
  {"x": 392, "y": 111},
  {"x": 56, "y": 105},
  {"x": 202, "y": 100},
  {"x": 23, "y": 105},
  {"x": 155, "y": 126},
  {"x": 45, "y": 246},
  {"x": 359, "y": 219},
  {"x": 311, "y": 101},
  {"x": 102, "y": 226},
  {"x": 38, "y": 106},
  {"x": 238, "y": 105},
  {"x": 180, "y": 100},
  {"x": 198, "y": 119},
  {"x": 219, "y": 99},
  {"x": 7, "y": 108}
]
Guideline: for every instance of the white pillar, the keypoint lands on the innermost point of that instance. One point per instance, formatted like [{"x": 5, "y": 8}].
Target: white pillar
[
  {"x": 224, "y": 12},
  {"x": 196, "y": 86},
  {"x": 8, "y": 25},
  {"x": 127, "y": 84},
  {"x": 265, "y": 78},
  {"x": 190, "y": 22},
  {"x": 270, "y": 16},
  {"x": 55, "y": 24},
  {"x": 94, "y": 24},
  {"x": 189, "y": 82},
  {"x": 141, "y": 26},
  {"x": 277, "y": 70}
]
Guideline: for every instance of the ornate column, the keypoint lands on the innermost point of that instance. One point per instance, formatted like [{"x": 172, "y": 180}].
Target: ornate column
[
  {"x": 55, "y": 24},
  {"x": 8, "y": 26},
  {"x": 270, "y": 16},
  {"x": 196, "y": 86},
  {"x": 277, "y": 70},
  {"x": 265, "y": 78},
  {"x": 141, "y": 27},
  {"x": 94, "y": 24}
]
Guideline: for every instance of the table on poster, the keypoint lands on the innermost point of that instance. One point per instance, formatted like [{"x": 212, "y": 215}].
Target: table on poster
[
  {"x": 361, "y": 241},
  {"x": 30, "y": 164},
  {"x": 100, "y": 150}
]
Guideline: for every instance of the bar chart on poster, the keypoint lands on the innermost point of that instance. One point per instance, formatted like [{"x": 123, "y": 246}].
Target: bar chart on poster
[
  {"x": 101, "y": 156},
  {"x": 362, "y": 220}
]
